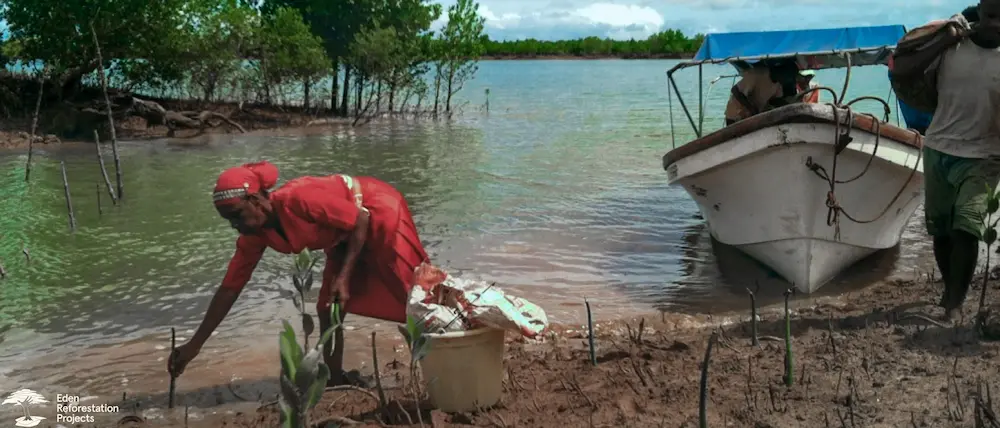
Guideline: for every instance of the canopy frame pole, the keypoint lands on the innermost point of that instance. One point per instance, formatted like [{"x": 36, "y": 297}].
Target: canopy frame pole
[
  {"x": 680, "y": 98},
  {"x": 699, "y": 126},
  {"x": 701, "y": 99}
]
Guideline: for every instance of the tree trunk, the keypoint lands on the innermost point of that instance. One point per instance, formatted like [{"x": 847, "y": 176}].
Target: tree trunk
[
  {"x": 392, "y": 97},
  {"x": 267, "y": 82},
  {"x": 306, "y": 86},
  {"x": 378, "y": 98},
  {"x": 335, "y": 66},
  {"x": 359, "y": 84},
  {"x": 347, "y": 90},
  {"x": 447, "y": 100},
  {"x": 437, "y": 87}
]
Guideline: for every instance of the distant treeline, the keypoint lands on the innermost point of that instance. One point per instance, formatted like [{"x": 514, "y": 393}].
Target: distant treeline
[{"x": 665, "y": 44}]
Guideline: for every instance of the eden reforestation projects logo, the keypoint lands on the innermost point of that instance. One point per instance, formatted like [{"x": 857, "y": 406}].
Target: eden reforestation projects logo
[{"x": 69, "y": 409}]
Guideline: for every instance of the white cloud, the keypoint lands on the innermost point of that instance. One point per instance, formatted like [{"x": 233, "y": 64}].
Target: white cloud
[{"x": 622, "y": 19}]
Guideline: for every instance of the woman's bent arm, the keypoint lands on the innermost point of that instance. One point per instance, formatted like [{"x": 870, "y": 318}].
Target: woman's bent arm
[
  {"x": 357, "y": 240},
  {"x": 219, "y": 307}
]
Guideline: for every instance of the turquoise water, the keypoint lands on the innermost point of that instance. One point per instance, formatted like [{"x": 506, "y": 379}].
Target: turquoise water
[{"x": 558, "y": 193}]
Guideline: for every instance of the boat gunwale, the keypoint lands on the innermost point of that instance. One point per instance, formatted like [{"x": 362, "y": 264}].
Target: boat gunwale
[{"x": 799, "y": 113}]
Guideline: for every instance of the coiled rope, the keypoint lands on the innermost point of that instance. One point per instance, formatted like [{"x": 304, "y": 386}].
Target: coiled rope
[{"x": 842, "y": 138}]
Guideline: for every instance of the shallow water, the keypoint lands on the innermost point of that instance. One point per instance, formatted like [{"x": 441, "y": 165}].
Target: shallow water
[{"x": 557, "y": 193}]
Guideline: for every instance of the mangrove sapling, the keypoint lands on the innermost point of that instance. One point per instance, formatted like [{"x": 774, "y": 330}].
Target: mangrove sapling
[
  {"x": 703, "y": 392},
  {"x": 416, "y": 342},
  {"x": 173, "y": 377},
  {"x": 753, "y": 314},
  {"x": 69, "y": 201},
  {"x": 302, "y": 280},
  {"x": 100, "y": 210},
  {"x": 383, "y": 408},
  {"x": 34, "y": 121},
  {"x": 989, "y": 237},
  {"x": 590, "y": 334},
  {"x": 104, "y": 170},
  {"x": 789, "y": 366},
  {"x": 303, "y": 374}
]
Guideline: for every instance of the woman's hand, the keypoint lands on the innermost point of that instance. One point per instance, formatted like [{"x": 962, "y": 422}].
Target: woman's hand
[
  {"x": 341, "y": 290},
  {"x": 180, "y": 358}
]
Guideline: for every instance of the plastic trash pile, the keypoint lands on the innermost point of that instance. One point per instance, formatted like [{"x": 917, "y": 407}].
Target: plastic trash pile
[{"x": 443, "y": 303}]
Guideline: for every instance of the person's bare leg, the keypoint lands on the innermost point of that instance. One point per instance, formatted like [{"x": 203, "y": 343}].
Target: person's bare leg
[
  {"x": 942, "y": 255},
  {"x": 964, "y": 259}
]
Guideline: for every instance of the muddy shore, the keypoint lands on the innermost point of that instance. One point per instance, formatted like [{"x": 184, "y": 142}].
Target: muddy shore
[
  {"x": 859, "y": 360},
  {"x": 259, "y": 120}
]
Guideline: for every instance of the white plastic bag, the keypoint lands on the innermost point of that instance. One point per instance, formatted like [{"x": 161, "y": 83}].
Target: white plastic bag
[{"x": 443, "y": 303}]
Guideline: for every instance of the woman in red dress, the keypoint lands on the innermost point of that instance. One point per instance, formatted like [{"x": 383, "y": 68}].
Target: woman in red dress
[{"x": 362, "y": 224}]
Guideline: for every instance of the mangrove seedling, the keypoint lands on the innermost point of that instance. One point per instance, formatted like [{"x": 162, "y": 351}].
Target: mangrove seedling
[
  {"x": 590, "y": 334},
  {"x": 754, "y": 341},
  {"x": 989, "y": 238},
  {"x": 789, "y": 366},
  {"x": 302, "y": 280},
  {"x": 416, "y": 342},
  {"x": 303, "y": 374},
  {"x": 703, "y": 384}
]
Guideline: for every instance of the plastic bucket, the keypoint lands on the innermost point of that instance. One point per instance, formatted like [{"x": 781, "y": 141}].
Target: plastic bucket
[{"x": 464, "y": 370}]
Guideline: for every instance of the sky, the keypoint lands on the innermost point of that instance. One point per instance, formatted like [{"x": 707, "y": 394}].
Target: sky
[{"x": 622, "y": 19}]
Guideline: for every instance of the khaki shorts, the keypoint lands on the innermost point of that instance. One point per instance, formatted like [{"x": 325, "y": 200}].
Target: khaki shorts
[{"x": 956, "y": 191}]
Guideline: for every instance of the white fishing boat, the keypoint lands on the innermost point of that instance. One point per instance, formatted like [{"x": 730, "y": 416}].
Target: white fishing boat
[{"x": 807, "y": 189}]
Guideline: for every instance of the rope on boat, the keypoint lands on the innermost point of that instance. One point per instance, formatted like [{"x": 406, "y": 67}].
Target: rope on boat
[{"x": 841, "y": 140}]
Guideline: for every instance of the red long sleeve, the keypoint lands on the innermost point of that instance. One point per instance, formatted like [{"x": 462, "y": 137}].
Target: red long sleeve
[{"x": 249, "y": 250}]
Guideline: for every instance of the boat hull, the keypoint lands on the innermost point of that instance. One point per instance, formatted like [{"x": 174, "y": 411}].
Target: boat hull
[{"x": 757, "y": 194}]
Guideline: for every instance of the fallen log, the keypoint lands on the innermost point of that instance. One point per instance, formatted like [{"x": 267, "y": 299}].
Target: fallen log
[{"x": 155, "y": 114}]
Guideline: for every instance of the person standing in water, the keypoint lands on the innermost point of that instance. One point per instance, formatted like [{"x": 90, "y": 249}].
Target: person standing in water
[
  {"x": 362, "y": 224},
  {"x": 962, "y": 147}
]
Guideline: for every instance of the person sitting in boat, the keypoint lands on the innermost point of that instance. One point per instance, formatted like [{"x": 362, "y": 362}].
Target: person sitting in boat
[
  {"x": 362, "y": 224},
  {"x": 806, "y": 81},
  {"x": 962, "y": 147},
  {"x": 753, "y": 94}
]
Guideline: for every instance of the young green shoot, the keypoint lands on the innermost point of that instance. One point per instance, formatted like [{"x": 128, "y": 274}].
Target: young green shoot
[
  {"x": 303, "y": 374},
  {"x": 989, "y": 238},
  {"x": 302, "y": 280}
]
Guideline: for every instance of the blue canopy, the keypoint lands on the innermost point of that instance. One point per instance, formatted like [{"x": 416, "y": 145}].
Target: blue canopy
[{"x": 813, "y": 49}]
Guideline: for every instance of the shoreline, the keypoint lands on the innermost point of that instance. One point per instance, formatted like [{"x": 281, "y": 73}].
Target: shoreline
[
  {"x": 855, "y": 354},
  {"x": 257, "y": 120},
  {"x": 564, "y": 57}
]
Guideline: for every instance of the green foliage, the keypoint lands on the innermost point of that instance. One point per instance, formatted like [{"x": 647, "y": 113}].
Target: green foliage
[
  {"x": 58, "y": 32},
  {"x": 377, "y": 53},
  {"x": 218, "y": 36},
  {"x": 459, "y": 47},
  {"x": 303, "y": 374},
  {"x": 302, "y": 280},
  {"x": 290, "y": 49},
  {"x": 416, "y": 341},
  {"x": 990, "y": 220},
  {"x": 252, "y": 50},
  {"x": 992, "y": 206},
  {"x": 669, "y": 43}
]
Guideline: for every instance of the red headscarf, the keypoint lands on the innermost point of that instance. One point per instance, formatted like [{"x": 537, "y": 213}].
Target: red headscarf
[{"x": 240, "y": 181}]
